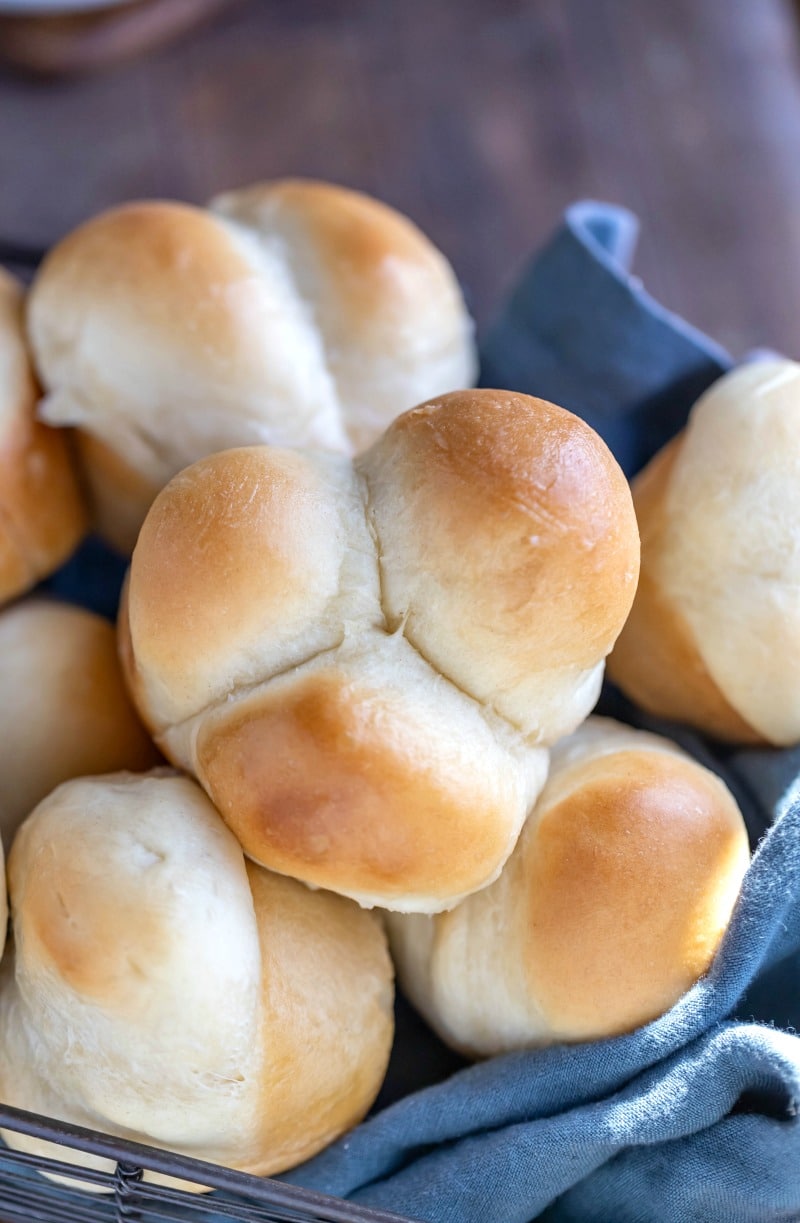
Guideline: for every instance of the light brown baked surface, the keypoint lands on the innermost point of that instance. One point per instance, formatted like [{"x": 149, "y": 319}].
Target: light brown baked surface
[
  {"x": 64, "y": 709},
  {"x": 714, "y": 636},
  {"x": 42, "y": 517},
  {"x": 296, "y": 313},
  {"x": 611, "y": 906},
  {"x": 631, "y": 879},
  {"x": 239, "y": 572},
  {"x": 363, "y": 665},
  {"x": 385, "y": 300},
  {"x": 327, "y": 1017},
  {"x": 655, "y": 660},
  {"x": 116, "y": 491},
  {"x": 367, "y": 774},
  {"x": 498, "y": 512},
  {"x": 167, "y": 991}
]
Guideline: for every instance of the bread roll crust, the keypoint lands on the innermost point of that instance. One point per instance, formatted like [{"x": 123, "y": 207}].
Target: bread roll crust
[
  {"x": 237, "y": 574},
  {"x": 116, "y": 490},
  {"x": 343, "y": 1041},
  {"x": 611, "y": 906},
  {"x": 722, "y": 563},
  {"x": 656, "y": 659},
  {"x": 64, "y": 709},
  {"x": 496, "y": 512},
  {"x": 42, "y": 517},
  {"x": 295, "y": 313},
  {"x": 386, "y": 301},
  {"x": 136, "y": 915},
  {"x": 648, "y": 854},
  {"x": 361, "y": 776},
  {"x": 349, "y": 708}
]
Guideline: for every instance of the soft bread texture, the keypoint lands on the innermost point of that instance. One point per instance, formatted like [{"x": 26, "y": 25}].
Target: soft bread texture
[
  {"x": 42, "y": 516},
  {"x": 363, "y": 665},
  {"x": 295, "y": 313},
  {"x": 164, "y": 990},
  {"x": 611, "y": 906},
  {"x": 714, "y": 635},
  {"x": 64, "y": 709}
]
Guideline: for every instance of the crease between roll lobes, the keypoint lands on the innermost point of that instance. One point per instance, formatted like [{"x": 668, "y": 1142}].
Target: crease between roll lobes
[
  {"x": 364, "y": 663},
  {"x": 292, "y": 312}
]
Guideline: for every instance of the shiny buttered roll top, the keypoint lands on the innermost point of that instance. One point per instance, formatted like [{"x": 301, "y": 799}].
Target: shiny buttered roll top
[
  {"x": 167, "y": 991},
  {"x": 42, "y": 517},
  {"x": 714, "y": 635},
  {"x": 611, "y": 906},
  {"x": 295, "y": 313},
  {"x": 363, "y": 665}
]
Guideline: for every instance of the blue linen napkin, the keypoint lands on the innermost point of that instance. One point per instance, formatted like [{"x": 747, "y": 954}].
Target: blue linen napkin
[{"x": 693, "y": 1118}]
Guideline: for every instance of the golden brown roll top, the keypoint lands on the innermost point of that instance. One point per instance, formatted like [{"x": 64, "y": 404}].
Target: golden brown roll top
[
  {"x": 295, "y": 313},
  {"x": 611, "y": 906},
  {"x": 64, "y": 710},
  {"x": 165, "y": 990},
  {"x": 261, "y": 656},
  {"x": 365, "y": 772},
  {"x": 347, "y": 660},
  {"x": 42, "y": 517},
  {"x": 714, "y": 635},
  {"x": 509, "y": 550},
  {"x": 249, "y": 562},
  {"x": 390, "y": 314}
]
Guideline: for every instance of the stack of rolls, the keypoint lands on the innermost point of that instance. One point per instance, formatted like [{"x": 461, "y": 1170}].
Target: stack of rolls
[
  {"x": 296, "y": 313},
  {"x": 366, "y": 620},
  {"x": 291, "y": 313}
]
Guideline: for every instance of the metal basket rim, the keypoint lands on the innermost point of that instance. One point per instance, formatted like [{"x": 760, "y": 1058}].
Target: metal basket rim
[{"x": 124, "y": 1153}]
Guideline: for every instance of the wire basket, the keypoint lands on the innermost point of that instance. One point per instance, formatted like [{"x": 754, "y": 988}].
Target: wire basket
[{"x": 28, "y": 1197}]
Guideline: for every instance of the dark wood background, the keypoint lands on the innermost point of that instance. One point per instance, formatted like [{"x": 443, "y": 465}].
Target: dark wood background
[{"x": 480, "y": 118}]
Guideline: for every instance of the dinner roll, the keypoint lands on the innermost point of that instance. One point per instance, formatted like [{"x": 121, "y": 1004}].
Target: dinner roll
[
  {"x": 166, "y": 991},
  {"x": 42, "y": 517},
  {"x": 611, "y": 906},
  {"x": 363, "y": 665},
  {"x": 714, "y": 635},
  {"x": 64, "y": 711},
  {"x": 295, "y": 313}
]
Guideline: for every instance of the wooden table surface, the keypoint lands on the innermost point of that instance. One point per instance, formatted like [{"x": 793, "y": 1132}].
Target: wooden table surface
[{"x": 480, "y": 118}]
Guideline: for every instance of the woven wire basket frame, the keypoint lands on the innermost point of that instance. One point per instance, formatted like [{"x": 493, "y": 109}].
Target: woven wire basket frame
[{"x": 26, "y": 1196}]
